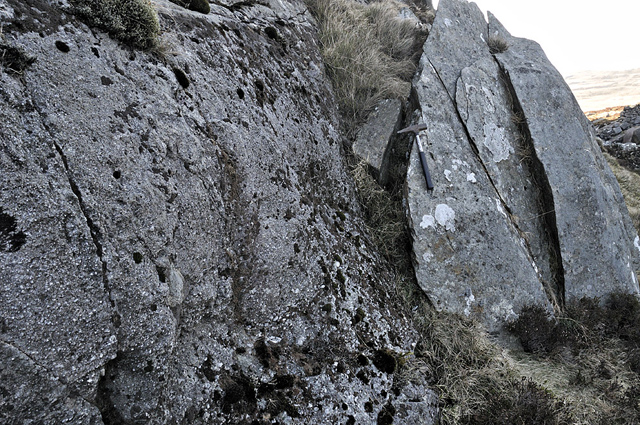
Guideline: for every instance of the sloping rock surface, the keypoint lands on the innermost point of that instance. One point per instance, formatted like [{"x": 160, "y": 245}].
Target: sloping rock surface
[
  {"x": 525, "y": 209},
  {"x": 594, "y": 231},
  {"x": 179, "y": 240}
]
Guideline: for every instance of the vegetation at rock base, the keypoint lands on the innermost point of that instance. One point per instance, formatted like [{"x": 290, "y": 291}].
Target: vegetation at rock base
[
  {"x": 14, "y": 59},
  {"x": 592, "y": 357},
  {"x": 630, "y": 187},
  {"x": 370, "y": 53},
  {"x": 133, "y": 22}
]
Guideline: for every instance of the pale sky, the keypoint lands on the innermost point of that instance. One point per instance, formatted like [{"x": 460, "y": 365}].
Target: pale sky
[{"x": 576, "y": 35}]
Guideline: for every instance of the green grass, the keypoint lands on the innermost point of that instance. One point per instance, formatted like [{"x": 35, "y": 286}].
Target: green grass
[{"x": 134, "y": 22}]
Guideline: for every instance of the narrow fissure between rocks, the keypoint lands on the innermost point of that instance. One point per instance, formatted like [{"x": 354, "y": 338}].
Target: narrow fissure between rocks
[
  {"x": 555, "y": 290},
  {"x": 95, "y": 234},
  {"x": 476, "y": 152},
  {"x": 104, "y": 403}
]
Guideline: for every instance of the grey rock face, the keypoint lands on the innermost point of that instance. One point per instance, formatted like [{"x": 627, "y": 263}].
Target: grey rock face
[
  {"x": 457, "y": 39},
  {"x": 595, "y": 234},
  {"x": 468, "y": 253},
  {"x": 486, "y": 108},
  {"x": 372, "y": 143},
  {"x": 179, "y": 240},
  {"x": 516, "y": 217}
]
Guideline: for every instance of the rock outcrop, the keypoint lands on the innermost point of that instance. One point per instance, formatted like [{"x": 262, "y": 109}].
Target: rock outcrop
[
  {"x": 525, "y": 209},
  {"x": 373, "y": 143},
  {"x": 621, "y": 137},
  {"x": 179, "y": 237}
]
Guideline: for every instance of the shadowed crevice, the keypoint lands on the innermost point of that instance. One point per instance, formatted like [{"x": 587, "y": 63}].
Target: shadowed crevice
[
  {"x": 555, "y": 289},
  {"x": 95, "y": 234}
]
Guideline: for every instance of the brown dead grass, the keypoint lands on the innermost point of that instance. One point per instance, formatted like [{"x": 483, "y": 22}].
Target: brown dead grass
[
  {"x": 369, "y": 53},
  {"x": 630, "y": 186}
]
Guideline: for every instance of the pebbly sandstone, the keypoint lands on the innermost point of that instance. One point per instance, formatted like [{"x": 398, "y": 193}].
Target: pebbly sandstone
[{"x": 180, "y": 240}]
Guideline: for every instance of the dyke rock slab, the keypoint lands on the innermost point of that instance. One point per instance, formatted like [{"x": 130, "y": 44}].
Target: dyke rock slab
[{"x": 525, "y": 209}]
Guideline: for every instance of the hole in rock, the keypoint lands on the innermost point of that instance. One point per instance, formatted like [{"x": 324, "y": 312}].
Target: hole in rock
[{"x": 62, "y": 46}]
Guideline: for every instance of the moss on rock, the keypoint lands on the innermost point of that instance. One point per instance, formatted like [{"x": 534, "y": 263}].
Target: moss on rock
[{"x": 133, "y": 22}]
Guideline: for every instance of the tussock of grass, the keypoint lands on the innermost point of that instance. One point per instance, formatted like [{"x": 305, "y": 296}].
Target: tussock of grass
[
  {"x": 497, "y": 45},
  {"x": 630, "y": 187},
  {"x": 590, "y": 357},
  {"x": 384, "y": 217},
  {"x": 133, "y": 22},
  {"x": 369, "y": 53},
  {"x": 473, "y": 377}
]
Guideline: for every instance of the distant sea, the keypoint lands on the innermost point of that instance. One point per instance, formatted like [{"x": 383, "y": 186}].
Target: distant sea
[{"x": 596, "y": 90}]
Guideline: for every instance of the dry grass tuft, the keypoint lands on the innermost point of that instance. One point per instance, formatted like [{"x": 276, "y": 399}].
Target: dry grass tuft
[
  {"x": 384, "y": 217},
  {"x": 630, "y": 187},
  {"x": 475, "y": 380},
  {"x": 590, "y": 358},
  {"x": 497, "y": 45},
  {"x": 369, "y": 53}
]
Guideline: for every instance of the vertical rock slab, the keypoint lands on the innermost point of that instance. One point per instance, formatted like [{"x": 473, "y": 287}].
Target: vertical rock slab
[
  {"x": 486, "y": 108},
  {"x": 596, "y": 238},
  {"x": 372, "y": 143},
  {"x": 469, "y": 255},
  {"x": 457, "y": 39}
]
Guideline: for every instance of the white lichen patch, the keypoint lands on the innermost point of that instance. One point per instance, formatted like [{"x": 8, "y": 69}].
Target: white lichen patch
[
  {"x": 469, "y": 298},
  {"x": 427, "y": 256},
  {"x": 447, "y": 174},
  {"x": 448, "y": 22},
  {"x": 636, "y": 242},
  {"x": 504, "y": 310},
  {"x": 458, "y": 163},
  {"x": 471, "y": 177},
  {"x": 499, "y": 206},
  {"x": 428, "y": 221},
  {"x": 496, "y": 141},
  {"x": 445, "y": 216}
]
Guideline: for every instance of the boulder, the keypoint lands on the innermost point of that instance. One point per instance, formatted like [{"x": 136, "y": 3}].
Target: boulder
[
  {"x": 517, "y": 217},
  {"x": 372, "y": 143},
  {"x": 179, "y": 236},
  {"x": 598, "y": 244},
  {"x": 470, "y": 256},
  {"x": 632, "y": 135}
]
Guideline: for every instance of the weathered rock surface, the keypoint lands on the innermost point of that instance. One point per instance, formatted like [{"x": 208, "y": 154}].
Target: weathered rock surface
[
  {"x": 525, "y": 209},
  {"x": 469, "y": 256},
  {"x": 595, "y": 234},
  {"x": 372, "y": 143},
  {"x": 179, "y": 238}
]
